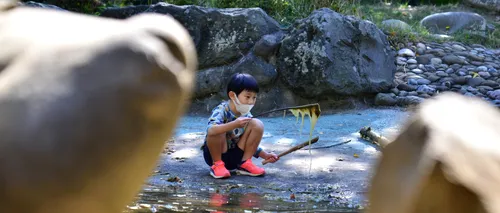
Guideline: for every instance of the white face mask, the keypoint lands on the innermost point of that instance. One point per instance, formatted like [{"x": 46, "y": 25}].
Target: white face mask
[{"x": 242, "y": 108}]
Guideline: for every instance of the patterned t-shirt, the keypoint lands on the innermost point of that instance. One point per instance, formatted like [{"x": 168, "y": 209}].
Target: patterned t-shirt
[{"x": 222, "y": 114}]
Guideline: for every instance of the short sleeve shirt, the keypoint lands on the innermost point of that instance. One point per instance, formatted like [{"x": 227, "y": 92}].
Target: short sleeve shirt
[{"x": 222, "y": 114}]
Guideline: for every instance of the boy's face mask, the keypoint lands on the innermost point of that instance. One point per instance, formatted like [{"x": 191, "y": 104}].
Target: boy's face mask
[{"x": 242, "y": 108}]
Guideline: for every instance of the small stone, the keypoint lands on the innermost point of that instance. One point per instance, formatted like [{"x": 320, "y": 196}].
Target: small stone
[
  {"x": 426, "y": 89},
  {"x": 430, "y": 68},
  {"x": 461, "y": 80},
  {"x": 443, "y": 66},
  {"x": 458, "y": 47},
  {"x": 476, "y": 63},
  {"x": 420, "y": 51},
  {"x": 405, "y": 52},
  {"x": 411, "y": 61},
  {"x": 423, "y": 81},
  {"x": 475, "y": 81},
  {"x": 485, "y": 75},
  {"x": 450, "y": 70},
  {"x": 453, "y": 59},
  {"x": 475, "y": 57},
  {"x": 455, "y": 66},
  {"x": 495, "y": 95},
  {"x": 403, "y": 93},
  {"x": 436, "y": 61},
  {"x": 490, "y": 83},
  {"x": 412, "y": 81},
  {"x": 487, "y": 88},
  {"x": 385, "y": 99},
  {"x": 401, "y": 60},
  {"x": 406, "y": 87},
  {"x": 395, "y": 91},
  {"x": 421, "y": 46},
  {"x": 462, "y": 72},
  {"x": 424, "y": 59},
  {"x": 413, "y": 93},
  {"x": 482, "y": 69},
  {"x": 441, "y": 74},
  {"x": 417, "y": 71},
  {"x": 433, "y": 77},
  {"x": 412, "y": 66},
  {"x": 410, "y": 100},
  {"x": 469, "y": 94},
  {"x": 472, "y": 89}
]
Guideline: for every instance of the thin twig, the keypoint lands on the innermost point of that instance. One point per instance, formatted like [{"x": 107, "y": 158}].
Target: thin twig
[{"x": 330, "y": 146}]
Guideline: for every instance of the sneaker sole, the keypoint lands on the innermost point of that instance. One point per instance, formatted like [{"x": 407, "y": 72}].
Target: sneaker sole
[
  {"x": 243, "y": 172},
  {"x": 218, "y": 177}
]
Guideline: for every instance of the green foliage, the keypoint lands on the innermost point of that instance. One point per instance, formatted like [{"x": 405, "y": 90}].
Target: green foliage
[{"x": 287, "y": 11}]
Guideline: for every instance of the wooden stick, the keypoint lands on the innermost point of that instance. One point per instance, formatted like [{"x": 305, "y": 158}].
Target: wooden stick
[
  {"x": 295, "y": 148},
  {"x": 379, "y": 140},
  {"x": 285, "y": 108}
]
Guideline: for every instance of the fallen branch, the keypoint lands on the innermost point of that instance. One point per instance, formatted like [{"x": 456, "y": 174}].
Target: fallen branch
[
  {"x": 368, "y": 134},
  {"x": 295, "y": 148},
  {"x": 330, "y": 146},
  {"x": 316, "y": 105}
]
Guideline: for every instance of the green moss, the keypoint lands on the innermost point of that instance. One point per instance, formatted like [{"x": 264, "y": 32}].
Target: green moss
[{"x": 287, "y": 11}]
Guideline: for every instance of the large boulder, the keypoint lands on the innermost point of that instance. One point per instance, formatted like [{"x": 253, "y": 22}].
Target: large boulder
[
  {"x": 492, "y": 5},
  {"x": 221, "y": 36},
  {"x": 86, "y": 105},
  {"x": 444, "y": 160},
  {"x": 451, "y": 22},
  {"x": 214, "y": 80},
  {"x": 331, "y": 54},
  {"x": 40, "y": 5}
]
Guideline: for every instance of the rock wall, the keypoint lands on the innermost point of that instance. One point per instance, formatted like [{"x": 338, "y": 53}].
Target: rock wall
[
  {"x": 327, "y": 57},
  {"x": 492, "y": 5}
]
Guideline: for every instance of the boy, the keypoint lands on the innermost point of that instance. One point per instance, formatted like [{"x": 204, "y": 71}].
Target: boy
[{"x": 233, "y": 136}]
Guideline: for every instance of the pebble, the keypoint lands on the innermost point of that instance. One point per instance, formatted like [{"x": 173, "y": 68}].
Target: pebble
[
  {"x": 423, "y": 81},
  {"x": 421, "y": 46},
  {"x": 411, "y": 61},
  {"x": 417, "y": 71},
  {"x": 406, "y": 52},
  {"x": 482, "y": 69},
  {"x": 426, "y": 89},
  {"x": 436, "y": 61},
  {"x": 475, "y": 81},
  {"x": 458, "y": 47},
  {"x": 441, "y": 74},
  {"x": 472, "y": 70},
  {"x": 433, "y": 77},
  {"x": 484, "y": 74}
]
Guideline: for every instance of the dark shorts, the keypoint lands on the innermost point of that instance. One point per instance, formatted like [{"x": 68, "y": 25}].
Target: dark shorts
[{"x": 232, "y": 158}]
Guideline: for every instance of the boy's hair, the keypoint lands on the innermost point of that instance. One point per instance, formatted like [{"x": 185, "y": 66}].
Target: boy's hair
[{"x": 240, "y": 82}]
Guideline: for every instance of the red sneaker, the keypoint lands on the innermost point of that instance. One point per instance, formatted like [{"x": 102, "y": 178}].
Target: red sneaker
[
  {"x": 218, "y": 170},
  {"x": 248, "y": 168}
]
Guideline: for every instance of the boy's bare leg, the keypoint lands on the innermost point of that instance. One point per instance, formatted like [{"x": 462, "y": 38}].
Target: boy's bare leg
[
  {"x": 250, "y": 140},
  {"x": 217, "y": 145}
]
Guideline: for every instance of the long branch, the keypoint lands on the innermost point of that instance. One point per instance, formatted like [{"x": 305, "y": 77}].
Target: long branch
[{"x": 285, "y": 108}]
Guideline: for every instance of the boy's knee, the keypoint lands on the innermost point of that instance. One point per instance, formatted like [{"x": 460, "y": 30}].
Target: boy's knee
[
  {"x": 220, "y": 138},
  {"x": 256, "y": 125}
]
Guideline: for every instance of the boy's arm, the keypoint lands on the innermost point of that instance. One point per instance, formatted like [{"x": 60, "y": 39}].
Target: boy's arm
[
  {"x": 259, "y": 153},
  {"x": 218, "y": 129},
  {"x": 216, "y": 123}
]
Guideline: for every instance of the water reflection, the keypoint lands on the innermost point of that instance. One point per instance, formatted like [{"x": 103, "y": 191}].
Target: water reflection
[{"x": 217, "y": 202}]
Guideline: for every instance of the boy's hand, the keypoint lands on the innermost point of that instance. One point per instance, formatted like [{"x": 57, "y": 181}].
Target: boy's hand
[
  {"x": 241, "y": 121},
  {"x": 271, "y": 157}
]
